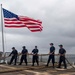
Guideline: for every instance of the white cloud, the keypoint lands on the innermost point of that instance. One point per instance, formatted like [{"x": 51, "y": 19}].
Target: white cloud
[{"x": 58, "y": 19}]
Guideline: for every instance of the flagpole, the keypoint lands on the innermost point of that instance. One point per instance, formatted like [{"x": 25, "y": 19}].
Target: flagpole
[{"x": 2, "y": 33}]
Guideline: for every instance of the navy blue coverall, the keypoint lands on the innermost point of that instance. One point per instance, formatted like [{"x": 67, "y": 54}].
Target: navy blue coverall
[
  {"x": 51, "y": 56},
  {"x": 35, "y": 56},
  {"x": 14, "y": 54},
  {"x": 24, "y": 56},
  {"x": 62, "y": 57}
]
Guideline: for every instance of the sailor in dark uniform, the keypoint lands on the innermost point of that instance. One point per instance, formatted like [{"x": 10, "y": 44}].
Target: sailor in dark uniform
[
  {"x": 14, "y": 55},
  {"x": 62, "y": 52},
  {"x": 35, "y": 56},
  {"x": 51, "y": 55},
  {"x": 24, "y": 55}
]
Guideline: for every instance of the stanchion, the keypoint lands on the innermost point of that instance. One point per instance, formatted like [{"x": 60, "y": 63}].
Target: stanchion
[{"x": 41, "y": 58}]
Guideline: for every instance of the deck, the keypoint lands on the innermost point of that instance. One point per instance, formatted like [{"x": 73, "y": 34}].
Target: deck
[{"x": 6, "y": 69}]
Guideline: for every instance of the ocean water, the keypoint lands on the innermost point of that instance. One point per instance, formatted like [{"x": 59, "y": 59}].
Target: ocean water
[{"x": 70, "y": 58}]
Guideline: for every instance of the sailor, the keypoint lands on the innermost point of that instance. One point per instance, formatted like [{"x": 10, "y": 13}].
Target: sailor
[
  {"x": 35, "y": 56},
  {"x": 14, "y": 55},
  {"x": 62, "y": 53},
  {"x": 51, "y": 54},
  {"x": 24, "y": 55}
]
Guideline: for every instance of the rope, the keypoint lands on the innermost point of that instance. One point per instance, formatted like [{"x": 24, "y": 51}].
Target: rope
[
  {"x": 40, "y": 55},
  {"x": 31, "y": 54},
  {"x": 69, "y": 63}
]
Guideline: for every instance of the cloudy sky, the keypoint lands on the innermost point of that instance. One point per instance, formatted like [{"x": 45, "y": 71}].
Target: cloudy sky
[{"x": 58, "y": 21}]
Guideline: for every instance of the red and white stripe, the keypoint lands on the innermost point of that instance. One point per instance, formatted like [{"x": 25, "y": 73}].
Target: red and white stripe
[
  {"x": 13, "y": 23},
  {"x": 31, "y": 24}
]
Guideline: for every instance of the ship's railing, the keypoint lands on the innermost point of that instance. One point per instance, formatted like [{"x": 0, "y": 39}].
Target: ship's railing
[{"x": 42, "y": 58}]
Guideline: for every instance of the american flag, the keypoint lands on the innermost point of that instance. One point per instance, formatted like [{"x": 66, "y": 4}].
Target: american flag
[{"x": 12, "y": 20}]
